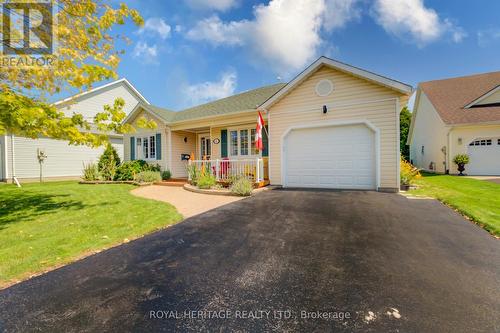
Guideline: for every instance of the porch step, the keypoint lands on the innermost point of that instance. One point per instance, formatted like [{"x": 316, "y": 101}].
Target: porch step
[{"x": 173, "y": 182}]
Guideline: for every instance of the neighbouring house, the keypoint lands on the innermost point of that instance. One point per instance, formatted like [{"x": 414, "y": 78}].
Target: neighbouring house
[
  {"x": 457, "y": 116},
  {"x": 332, "y": 126},
  {"x": 19, "y": 155}
]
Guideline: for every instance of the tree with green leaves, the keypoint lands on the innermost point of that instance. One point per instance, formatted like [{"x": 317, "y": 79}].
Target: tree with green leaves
[
  {"x": 86, "y": 54},
  {"x": 404, "y": 125}
]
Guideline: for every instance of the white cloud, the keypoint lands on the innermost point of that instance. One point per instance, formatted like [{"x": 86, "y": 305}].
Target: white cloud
[
  {"x": 221, "y": 5},
  {"x": 488, "y": 37},
  {"x": 146, "y": 52},
  {"x": 285, "y": 33},
  {"x": 156, "y": 26},
  {"x": 217, "y": 32},
  {"x": 339, "y": 12},
  {"x": 211, "y": 90},
  {"x": 411, "y": 18}
]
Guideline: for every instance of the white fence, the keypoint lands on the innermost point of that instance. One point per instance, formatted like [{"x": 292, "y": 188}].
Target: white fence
[{"x": 227, "y": 169}]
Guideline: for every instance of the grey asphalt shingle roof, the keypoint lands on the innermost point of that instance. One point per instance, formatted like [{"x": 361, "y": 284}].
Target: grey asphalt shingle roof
[{"x": 245, "y": 101}]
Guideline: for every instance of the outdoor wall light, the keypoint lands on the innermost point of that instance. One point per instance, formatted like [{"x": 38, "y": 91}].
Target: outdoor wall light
[
  {"x": 185, "y": 139},
  {"x": 325, "y": 109},
  {"x": 459, "y": 141}
]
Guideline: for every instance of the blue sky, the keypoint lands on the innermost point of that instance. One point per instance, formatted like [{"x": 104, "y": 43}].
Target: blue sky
[{"x": 192, "y": 51}]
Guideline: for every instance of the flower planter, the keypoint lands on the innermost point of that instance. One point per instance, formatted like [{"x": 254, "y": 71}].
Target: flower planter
[
  {"x": 461, "y": 168},
  {"x": 404, "y": 187}
]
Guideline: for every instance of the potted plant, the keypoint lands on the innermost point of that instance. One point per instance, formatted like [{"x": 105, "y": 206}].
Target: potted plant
[
  {"x": 408, "y": 173},
  {"x": 461, "y": 160}
]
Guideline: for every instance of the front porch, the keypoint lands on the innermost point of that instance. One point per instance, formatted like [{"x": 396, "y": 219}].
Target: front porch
[
  {"x": 227, "y": 170},
  {"x": 225, "y": 148}
]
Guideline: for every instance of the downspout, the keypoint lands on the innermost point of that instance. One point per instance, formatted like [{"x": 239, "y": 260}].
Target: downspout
[
  {"x": 448, "y": 154},
  {"x": 169, "y": 149},
  {"x": 6, "y": 158},
  {"x": 14, "y": 179}
]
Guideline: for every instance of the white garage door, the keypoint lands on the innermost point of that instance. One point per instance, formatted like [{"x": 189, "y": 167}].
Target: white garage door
[
  {"x": 484, "y": 157},
  {"x": 340, "y": 157}
]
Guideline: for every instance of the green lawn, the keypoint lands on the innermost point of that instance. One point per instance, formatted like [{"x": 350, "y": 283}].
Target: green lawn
[
  {"x": 477, "y": 199},
  {"x": 47, "y": 225}
]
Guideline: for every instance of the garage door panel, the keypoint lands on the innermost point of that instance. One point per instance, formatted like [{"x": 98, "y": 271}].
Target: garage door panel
[
  {"x": 484, "y": 159},
  {"x": 331, "y": 157}
]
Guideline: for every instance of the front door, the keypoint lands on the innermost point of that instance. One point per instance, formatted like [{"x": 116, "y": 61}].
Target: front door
[{"x": 205, "y": 147}]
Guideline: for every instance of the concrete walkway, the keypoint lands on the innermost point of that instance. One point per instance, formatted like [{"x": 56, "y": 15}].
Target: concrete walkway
[
  {"x": 493, "y": 179},
  {"x": 187, "y": 203}
]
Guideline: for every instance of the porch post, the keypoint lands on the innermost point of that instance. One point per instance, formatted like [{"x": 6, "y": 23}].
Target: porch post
[
  {"x": 217, "y": 169},
  {"x": 257, "y": 170}
]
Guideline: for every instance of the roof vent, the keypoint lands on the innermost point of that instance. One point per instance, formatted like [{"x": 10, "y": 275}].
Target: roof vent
[{"x": 324, "y": 88}]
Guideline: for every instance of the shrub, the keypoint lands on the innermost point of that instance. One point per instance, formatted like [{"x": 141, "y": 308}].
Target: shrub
[
  {"x": 408, "y": 173},
  {"x": 147, "y": 177},
  {"x": 242, "y": 187},
  {"x": 128, "y": 170},
  {"x": 90, "y": 172},
  {"x": 206, "y": 181},
  {"x": 108, "y": 163},
  {"x": 151, "y": 167},
  {"x": 193, "y": 173},
  {"x": 461, "y": 159},
  {"x": 166, "y": 175}
]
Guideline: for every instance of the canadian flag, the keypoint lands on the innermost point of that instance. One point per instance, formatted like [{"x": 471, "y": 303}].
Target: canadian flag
[{"x": 258, "y": 135}]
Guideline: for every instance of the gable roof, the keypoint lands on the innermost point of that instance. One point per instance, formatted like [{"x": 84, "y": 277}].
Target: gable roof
[
  {"x": 246, "y": 101},
  {"x": 454, "y": 98},
  {"x": 355, "y": 71},
  {"x": 110, "y": 85},
  {"x": 163, "y": 114}
]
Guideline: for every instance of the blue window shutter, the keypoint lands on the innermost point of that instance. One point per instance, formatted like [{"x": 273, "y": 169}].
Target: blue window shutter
[
  {"x": 132, "y": 148},
  {"x": 158, "y": 146},
  {"x": 223, "y": 143},
  {"x": 265, "y": 142}
]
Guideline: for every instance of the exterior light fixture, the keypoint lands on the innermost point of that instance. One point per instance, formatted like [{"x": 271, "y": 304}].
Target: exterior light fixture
[{"x": 325, "y": 109}]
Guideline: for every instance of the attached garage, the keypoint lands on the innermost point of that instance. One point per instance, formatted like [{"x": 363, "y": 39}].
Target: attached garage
[
  {"x": 334, "y": 156},
  {"x": 336, "y": 126},
  {"x": 484, "y": 155}
]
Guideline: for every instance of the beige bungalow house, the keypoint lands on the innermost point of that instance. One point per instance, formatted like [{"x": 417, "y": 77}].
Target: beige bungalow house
[
  {"x": 332, "y": 126},
  {"x": 457, "y": 116}
]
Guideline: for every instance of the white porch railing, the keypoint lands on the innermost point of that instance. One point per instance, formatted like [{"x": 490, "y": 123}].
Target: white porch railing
[{"x": 228, "y": 169}]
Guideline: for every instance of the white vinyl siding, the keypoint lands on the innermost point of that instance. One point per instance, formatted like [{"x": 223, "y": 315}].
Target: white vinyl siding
[
  {"x": 429, "y": 137},
  {"x": 91, "y": 104},
  {"x": 62, "y": 159},
  {"x": 352, "y": 99},
  {"x": 179, "y": 147}
]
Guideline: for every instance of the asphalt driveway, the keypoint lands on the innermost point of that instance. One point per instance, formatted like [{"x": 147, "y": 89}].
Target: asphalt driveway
[{"x": 281, "y": 261}]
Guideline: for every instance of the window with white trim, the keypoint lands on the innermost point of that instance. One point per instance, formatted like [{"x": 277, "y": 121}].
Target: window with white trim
[
  {"x": 146, "y": 148},
  {"x": 233, "y": 143},
  {"x": 253, "y": 145},
  {"x": 485, "y": 142},
  {"x": 241, "y": 142}
]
